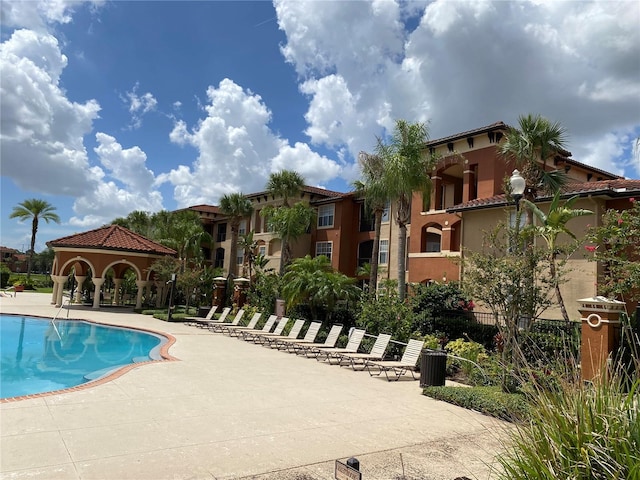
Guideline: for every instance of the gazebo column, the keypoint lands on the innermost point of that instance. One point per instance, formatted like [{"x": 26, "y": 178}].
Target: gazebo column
[
  {"x": 141, "y": 284},
  {"x": 54, "y": 293},
  {"x": 159, "y": 293},
  {"x": 97, "y": 281},
  {"x": 116, "y": 291},
  {"x": 80, "y": 279},
  {"x": 58, "y": 282}
]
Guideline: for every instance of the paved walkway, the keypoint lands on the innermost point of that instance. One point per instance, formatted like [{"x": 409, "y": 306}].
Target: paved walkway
[{"x": 229, "y": 409}]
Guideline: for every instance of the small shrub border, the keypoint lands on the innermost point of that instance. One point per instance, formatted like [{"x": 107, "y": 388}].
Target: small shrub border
[{"x": 487, "y": 400}]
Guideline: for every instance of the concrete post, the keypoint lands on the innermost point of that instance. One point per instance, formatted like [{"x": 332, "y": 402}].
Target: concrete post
[
  {"x": 600, "y": 334},
  {"x": 80, "y": 279},
  {"x": 117, "y": 283},
  {"x": 58, "y": 281},
  {"x": 96, "y": 293},
  {"x": 220, "y": 291},
  {"x": 54, "y": 292},
  {"x": 159, "y": 293},
  {"x": 140, "y": 284},
  {"x": 240, "y": 287}
]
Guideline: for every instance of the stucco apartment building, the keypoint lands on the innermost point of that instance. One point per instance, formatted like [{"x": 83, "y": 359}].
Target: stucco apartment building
[{"x": 467, "y": 198}]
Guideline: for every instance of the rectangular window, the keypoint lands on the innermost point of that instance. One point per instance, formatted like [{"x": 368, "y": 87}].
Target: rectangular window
[
  {"x": 385, "y": 213},
  {"x": 383, "y": 252},
  {"x": 325, "y": 215},
  {"x": 242, "y": 228},
  {"x": 262, "y": 250},
  {"x": 324, "y": 248},
  {"x": 222, "y": 232},
  {"x": 240, "y": 256}
]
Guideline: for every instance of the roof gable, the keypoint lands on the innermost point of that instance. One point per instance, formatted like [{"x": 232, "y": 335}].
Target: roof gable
[{"x": 112, "y": 237}]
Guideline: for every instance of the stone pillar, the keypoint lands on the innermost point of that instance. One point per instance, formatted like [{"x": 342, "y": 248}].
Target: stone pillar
[
  {"x": 116, "y": 291},
  {"x": 80, "y": 279},
  {"x": 219, "y": 293},
  {"x": 141, "y": 284},
  {"x": 600, "y": 334},
  {"x": 469, "y": 186},
  {"x": 54, "y": 292},
  {"x": 240, "y": 287},
  {"x": 159, "y": 293},
  {"x": 97, "y": 281},
  {"x": 58, "y": 282}
]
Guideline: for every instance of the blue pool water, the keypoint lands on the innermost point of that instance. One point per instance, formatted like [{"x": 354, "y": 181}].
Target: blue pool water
[{"x": 35, "y": 357}]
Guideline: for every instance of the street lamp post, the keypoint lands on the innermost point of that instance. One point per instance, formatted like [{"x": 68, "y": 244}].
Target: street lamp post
[{"x": 518, "y": 185}]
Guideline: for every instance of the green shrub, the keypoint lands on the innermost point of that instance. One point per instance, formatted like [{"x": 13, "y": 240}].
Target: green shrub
[
  {"x": 464, "y": 349},
  {"x": 488, "y": 400},
  {"x": 578, "y": 431}
]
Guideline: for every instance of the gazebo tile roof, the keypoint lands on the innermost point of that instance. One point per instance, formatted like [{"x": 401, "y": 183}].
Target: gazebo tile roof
[{"x": 112, "y": 237}]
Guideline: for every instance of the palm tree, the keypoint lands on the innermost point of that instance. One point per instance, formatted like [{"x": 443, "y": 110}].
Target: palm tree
[
  {"x": 406, "y": 169},
  {"x": 236, "y": 207},
  {"x": 137, "y": 221},
  {"x": 312, "y": 281},
  {"x": 531, "y": 146},
  {"x": 551, "y": 225},
  {"x": 284, "y": 184},
  {"x": 375, "y": 198},
  {"x": 248, "y": 246},
  {"x": 288, "y": 223},
  {"x": 183, "y": 232},
  {"x": 35, "y": 209}
]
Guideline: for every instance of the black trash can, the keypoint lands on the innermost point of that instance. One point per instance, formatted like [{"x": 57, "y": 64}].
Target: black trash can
[{"x": 433, "y": 368}]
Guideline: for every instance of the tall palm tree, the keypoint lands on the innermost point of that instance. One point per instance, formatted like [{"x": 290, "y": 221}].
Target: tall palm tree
[
  {"x": 236, "y": 207},
  {"x": 288, "y": 223},
  {"x": 182, "y": 231},
  {"x": 375, "y": 198},
  {"x": 284, "y": 184},
  {"x": 34, "y": 209},
  {"x": 407, "y": 168},
  {"x": 532, "y": 147},
  {"x": 248, "y": 246},
  {"x": 551, "y": 225}
]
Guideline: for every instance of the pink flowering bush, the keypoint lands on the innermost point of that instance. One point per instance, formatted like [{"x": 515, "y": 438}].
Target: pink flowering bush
[{"x": 618, "y": 248}]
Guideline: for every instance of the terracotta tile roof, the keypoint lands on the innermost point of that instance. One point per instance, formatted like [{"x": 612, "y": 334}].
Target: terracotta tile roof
[
  {"x": 112, "y": 237},
  {"x": 204, "y": 208},
  {"x": 475, "y": 131},
  {"x": 308, "y": 189},
  {"x": 613, "y": 188}
]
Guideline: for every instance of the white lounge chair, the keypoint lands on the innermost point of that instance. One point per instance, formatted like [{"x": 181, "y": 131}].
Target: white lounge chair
[
  {"x": 216, "y": 326},
  {"x": 406, "y": 364},
  {"x": 200, "y": 321},
  {"x": 355, "y": 339},
  {"x": 376, "y": 353},
  {"x": 309, "y": 337},
  {"x": 310, "y": 349}
]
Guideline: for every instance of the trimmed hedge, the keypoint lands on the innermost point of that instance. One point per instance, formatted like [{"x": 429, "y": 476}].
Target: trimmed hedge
[{"x": 488, "y": 400}]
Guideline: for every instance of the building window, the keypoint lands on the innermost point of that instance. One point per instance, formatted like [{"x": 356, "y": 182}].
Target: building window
[
  {"x": 366, "y": 219},
  {"x": 219, "y": 260},
  {"x": 433, "y": 242},
  {"x": 242, "y": 228},
  {"x": 385, "y": 212},
  {"x": 222, "y": 232},
  {"x": 325, "y": 215},
  {"x": 262, "y": 250},
  {"x": 383, "y": 252},
  {"x": 240, "y": 256},
  {"x": 365, "y": 250},
  {"x": 324, "y": 248}
]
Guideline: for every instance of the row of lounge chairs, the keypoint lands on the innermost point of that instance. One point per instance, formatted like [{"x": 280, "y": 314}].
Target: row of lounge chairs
[{"x": 271, "y": 335}]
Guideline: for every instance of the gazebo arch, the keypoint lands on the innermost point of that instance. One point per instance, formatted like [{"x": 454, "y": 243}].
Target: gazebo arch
[{"x": 99, "y": 250}]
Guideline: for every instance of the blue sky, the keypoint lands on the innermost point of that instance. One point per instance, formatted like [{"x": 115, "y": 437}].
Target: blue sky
[{"x": 112, "y": 106}]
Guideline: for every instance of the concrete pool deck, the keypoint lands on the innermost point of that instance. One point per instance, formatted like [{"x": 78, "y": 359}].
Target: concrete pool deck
[{"x": 229, "y": 409}]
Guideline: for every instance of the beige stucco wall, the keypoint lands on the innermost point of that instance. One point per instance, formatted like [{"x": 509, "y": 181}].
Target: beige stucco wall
[{"x": 580, "y": 273}]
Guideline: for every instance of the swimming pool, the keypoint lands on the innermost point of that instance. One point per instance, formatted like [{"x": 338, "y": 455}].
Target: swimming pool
[{"x": 38, "y": 356}]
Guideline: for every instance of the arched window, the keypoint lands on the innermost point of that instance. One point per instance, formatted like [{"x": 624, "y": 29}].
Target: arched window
[{"x": 431, "y": 238}]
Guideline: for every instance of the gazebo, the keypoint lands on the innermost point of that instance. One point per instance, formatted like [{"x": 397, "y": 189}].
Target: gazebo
[{"x": 110, "y": 247}]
